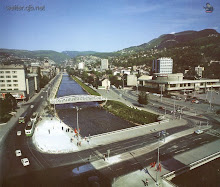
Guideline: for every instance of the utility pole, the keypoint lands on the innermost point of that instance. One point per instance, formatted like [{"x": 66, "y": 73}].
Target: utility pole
[
  {"x": 158, "y": 159},
  {"x": 77, "y": 119},
  {"x": 211, "y": 100},
  {"x": 161, "y": 93}
]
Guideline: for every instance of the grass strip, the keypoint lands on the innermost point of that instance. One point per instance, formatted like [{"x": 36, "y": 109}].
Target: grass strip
[
  {"x": 85, "y": 87},
  {"x": 131, "y": 114}
]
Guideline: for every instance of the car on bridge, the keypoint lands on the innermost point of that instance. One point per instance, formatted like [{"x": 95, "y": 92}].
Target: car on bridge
[{"x": 25, "y": 162}]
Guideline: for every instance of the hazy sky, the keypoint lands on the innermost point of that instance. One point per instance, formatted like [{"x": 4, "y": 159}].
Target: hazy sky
[{"x": 98, "y": 25}]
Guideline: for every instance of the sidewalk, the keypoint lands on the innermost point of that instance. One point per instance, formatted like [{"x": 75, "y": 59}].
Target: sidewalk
[{"x": 50, "y": 137}]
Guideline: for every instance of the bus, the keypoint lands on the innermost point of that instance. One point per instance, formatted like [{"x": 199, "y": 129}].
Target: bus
[
  {"x": 22, "y": 118},
  {"x": 29, "y": 129}
]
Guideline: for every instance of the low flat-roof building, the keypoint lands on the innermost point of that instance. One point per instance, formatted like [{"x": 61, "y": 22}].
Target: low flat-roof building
[{"x": 175, "y": 82}]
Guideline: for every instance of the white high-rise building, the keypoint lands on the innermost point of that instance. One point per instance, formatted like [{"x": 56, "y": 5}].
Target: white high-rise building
[
  {"x": 104, "y": 64},
  {"x": 163, "y": 65},
  {"x": 81, "y": 65}
]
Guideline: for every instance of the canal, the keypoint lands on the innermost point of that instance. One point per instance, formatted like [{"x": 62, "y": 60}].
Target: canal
[{"x": 92, "y": 118}]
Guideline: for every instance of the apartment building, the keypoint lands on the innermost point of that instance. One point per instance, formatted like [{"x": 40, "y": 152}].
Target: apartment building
[{"x": 15, "y": 80}]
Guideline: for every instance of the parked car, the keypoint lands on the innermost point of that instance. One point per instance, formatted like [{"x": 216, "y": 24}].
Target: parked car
[
  {"x": 161, "y": 107},
  {"x": 18, "y": 133},
  {"x": 25, "y": 162},
  {"x": 18, "y": 152},
  {"x": 32, "y": 106},
  {"x": 198, "y": 131}
]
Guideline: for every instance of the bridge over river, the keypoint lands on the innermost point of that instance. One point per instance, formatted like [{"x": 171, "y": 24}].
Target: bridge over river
[{"x": 76, "y": 99}]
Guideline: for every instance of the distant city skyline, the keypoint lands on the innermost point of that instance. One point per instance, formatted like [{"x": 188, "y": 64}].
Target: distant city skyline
[{"x": 98, "y": 25}]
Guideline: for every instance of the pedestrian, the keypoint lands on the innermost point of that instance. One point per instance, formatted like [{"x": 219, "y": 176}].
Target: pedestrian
[
  {"x": 77, "y": 143},
  {"x": 62, "y": 128},
  {"x": 49, "y": 131},
  {"x": 147, "y": 182},
  {"x": 88, "y": 141},
  {"x": 71, "y": 140}
]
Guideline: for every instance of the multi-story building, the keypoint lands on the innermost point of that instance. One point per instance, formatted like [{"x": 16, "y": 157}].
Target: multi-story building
[
  {"x": 15, "y": 80},
  {"x": 162, "y": 65},
  {"x": 81, "y": 65},
  {"x": 199, "y": 71},
  {"x": 104, "y": 64}
]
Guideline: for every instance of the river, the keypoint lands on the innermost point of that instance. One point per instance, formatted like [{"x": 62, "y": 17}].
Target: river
[{"x": 92, "y": 118}]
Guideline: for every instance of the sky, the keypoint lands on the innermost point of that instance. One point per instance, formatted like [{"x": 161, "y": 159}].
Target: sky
[{"x": 98, "y": 25}]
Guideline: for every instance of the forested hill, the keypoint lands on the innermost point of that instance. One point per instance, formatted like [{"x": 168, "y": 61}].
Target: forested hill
[
  {"x": 53, "y": 55},
  {"x": 188, "y": 50},
  {"x": 184, "y": 38}
]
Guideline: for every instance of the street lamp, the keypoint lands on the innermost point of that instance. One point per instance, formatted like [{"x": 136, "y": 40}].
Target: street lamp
[
  {"x": 77, "y": 118},
  {"x": 158, "y": 160}
]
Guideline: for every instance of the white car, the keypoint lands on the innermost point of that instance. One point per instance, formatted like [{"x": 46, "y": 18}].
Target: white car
[
  {"x": 41, "y": 97},
  {"x": 18, "y": 152},
  {"x": 32, "y": 106},
  {"x": 18, "y": 133},
  {"x": 25, "y": 162},
  {"x": 199, "y": 131}
]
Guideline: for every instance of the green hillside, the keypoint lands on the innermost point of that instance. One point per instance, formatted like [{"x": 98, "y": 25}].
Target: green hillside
[{"x": 53, "y": 55}]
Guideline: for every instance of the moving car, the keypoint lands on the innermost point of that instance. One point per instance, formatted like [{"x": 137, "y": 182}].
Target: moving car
[
  {"x": 18, "y": 133},
  {"x": 198, "y": 131},
  {"x": 18, "y": 152},
  {"x": 25, "y": 162}
]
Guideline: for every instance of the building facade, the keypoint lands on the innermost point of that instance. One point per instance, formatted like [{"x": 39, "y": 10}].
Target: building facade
[
  {"x": 163, "y": 65},
  {"x": 175, "y": 82},
  {"x": 14, "y": 80},
  {"x": 104, "y": 64}
]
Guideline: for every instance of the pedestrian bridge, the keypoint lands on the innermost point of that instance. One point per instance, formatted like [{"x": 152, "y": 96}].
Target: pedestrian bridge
[{"x": 76, "y": 99}]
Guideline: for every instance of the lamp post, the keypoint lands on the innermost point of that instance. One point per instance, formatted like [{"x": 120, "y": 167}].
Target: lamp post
[
  {"x": 158, "y": 160},
  {"x": 77, "y": 118},
  {"x": 211, "y": 100}
]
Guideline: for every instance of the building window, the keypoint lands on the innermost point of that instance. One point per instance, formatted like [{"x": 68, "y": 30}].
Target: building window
[
  {"x": 2, "y": 89},
  {"x": 2, "y": 77},
  {"x": 16, "y": 89},
  {"x": 189, "y": 84},
  {"x": 3, "y": 85},
  {"x": 2, "y": 81},
  {"x": 8, "y": 76},
  {"x": 15, "y": 80},
  {"x": 9, "y": 85},
  {"x": 16, "y": 85},
  {"x": 9, "y": 89},
  {"x": 15, "y": 76},
  {"x": 8, "y": 80},
  {"x": 14, "y": 71},
  {"x": 7, "y": 71},
  {"x": 1, "y": 71}
]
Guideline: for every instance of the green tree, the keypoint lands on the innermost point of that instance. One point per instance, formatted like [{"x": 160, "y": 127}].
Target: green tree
[
  {"x": 7, "y": 105},
  {"x": 143, "y": 98}
]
